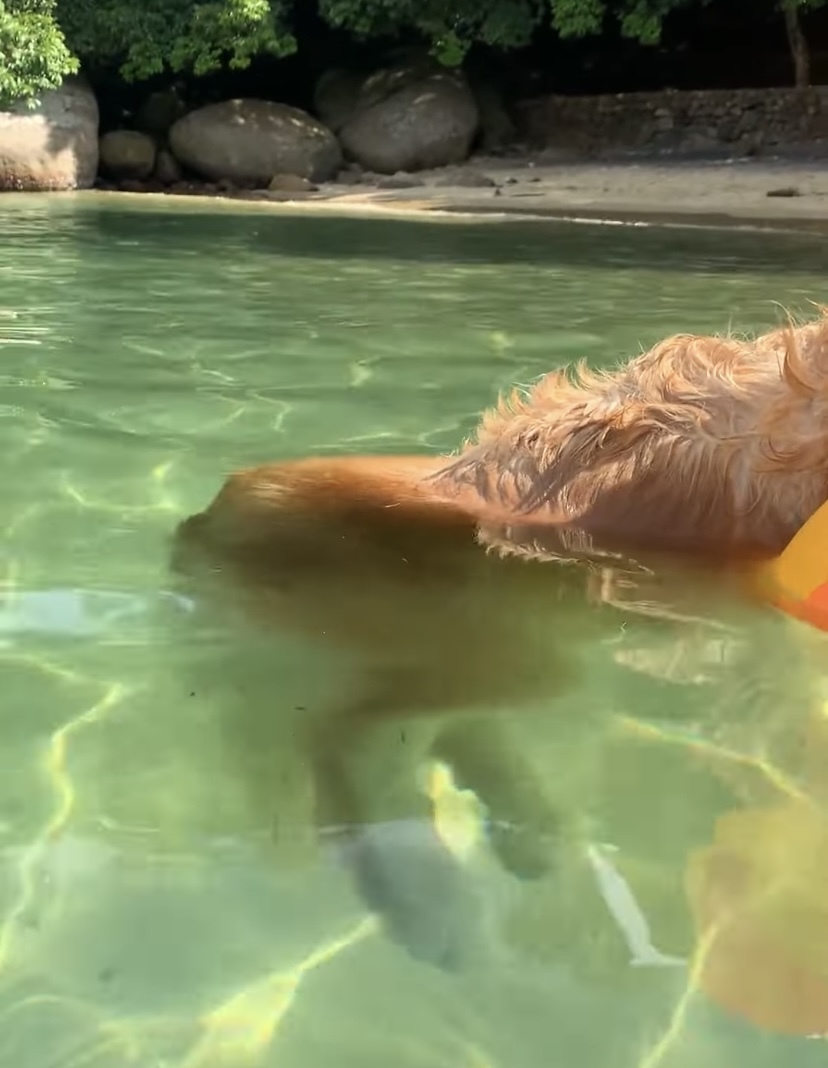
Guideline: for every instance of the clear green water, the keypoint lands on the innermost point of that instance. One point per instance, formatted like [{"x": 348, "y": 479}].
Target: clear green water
[{"x": 148, "y": 913}]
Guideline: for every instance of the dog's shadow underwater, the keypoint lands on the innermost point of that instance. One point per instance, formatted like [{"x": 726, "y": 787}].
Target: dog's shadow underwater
[{"x": 508, "y": 668}]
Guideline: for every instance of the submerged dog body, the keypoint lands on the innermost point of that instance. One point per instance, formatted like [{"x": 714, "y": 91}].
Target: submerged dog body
[{"x": 716, "y": 446}]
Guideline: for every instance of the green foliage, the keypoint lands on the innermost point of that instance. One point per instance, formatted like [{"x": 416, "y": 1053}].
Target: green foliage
[
  {"x": 503, "y": 23},
  {"x": 148, "y": 36},
  {"x": 641, "y": 20},
  {"x": 232, "y": 30},
  {"x": 577, "y": 18},
  {"x": 33, "y": 53},
  {"x": 42, "y": 40},
  {"x": 450, "y": 28}
]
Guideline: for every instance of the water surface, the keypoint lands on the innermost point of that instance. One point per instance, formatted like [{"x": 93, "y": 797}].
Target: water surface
[{"x": 164, "y": 899}]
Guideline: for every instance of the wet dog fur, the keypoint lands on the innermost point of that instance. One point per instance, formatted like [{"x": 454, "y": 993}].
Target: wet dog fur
[{"x": 702, "y": 443}]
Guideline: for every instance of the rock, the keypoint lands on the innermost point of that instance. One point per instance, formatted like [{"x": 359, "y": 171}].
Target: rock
[
  {"x": 51, "y": 146},
  {"x": 291, "y": 183},
  {"x": 158, "y": 113},
  {"x": 399, "y": 181},
  {"x": 749, "y": 145},
  {"x": 167, "y": 169},
  {"x": 784, "y": 191},
  {"x": 127, "y": 154},
  {"x": 552, "y": 156},
  {"x": 351, "y": 176},
  {"x": 465, "y": 178},
  {"x": 252, "y": 140},
  {"x": 336, "y": 97},
  {"x": 699, "y": 142},
  {"x": 410, "y": 117},
  {"x": 497, "y": 129},
  {"x": 132, "y": 185}
]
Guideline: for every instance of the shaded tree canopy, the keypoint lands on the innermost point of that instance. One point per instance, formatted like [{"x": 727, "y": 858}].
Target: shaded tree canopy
[
  {"x": 42, "y": 41},
  {"x": 34, "y": 54}
]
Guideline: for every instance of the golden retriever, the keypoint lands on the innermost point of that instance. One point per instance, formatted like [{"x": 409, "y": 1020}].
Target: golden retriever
[{"x": 714, "y": 448}]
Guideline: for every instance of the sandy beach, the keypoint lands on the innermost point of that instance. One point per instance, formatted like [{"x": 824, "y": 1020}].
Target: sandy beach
[{"x": 777, "y": 193}]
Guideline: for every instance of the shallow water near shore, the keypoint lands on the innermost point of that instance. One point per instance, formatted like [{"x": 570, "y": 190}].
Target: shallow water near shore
[{"x": 164, "y": 898}]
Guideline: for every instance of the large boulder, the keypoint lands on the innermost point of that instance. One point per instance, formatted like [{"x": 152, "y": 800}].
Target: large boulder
[
  {"x": 337, "y": 96},
  {"x": 408, "y": 117},
  {"x": 167, "y": 169},
  {"x": 158, "y": 113},
  {"x": 497, "y": 127},
  {"x": 53, "y": 145},
  {"x": 127, "y": 154},
  {"x": 250, "y": 141}
]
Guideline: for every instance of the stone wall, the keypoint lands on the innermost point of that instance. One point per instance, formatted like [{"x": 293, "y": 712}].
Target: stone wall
[{"x": 737, "y": 121}]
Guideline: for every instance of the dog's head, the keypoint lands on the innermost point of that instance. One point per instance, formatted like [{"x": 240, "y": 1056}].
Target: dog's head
[{"x": 702, "y": 442}]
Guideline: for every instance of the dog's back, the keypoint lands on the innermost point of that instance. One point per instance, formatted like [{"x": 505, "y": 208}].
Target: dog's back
[{"x": 712, "y": 444}]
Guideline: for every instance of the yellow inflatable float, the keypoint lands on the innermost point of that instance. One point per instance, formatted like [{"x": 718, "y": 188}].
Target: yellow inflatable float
[{"x": 797, "y": 580}]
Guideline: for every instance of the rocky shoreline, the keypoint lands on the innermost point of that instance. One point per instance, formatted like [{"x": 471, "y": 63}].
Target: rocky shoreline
[
  {"x": 418, "y": 138},
  {"x": 406, "y": 117}
]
